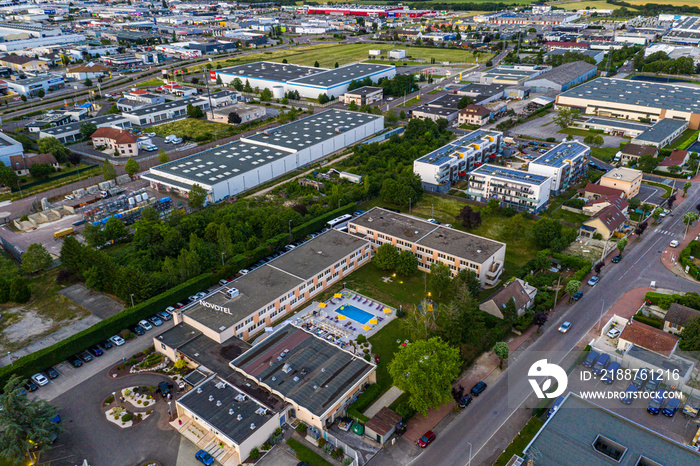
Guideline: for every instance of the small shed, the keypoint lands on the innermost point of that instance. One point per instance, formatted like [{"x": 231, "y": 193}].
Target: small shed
[{"x": 382, "y": 425}]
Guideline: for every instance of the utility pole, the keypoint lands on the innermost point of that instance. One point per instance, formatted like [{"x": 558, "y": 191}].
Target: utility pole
[
  {"x": 556, "y": 293},
  {"x": 206, "y": 81}
]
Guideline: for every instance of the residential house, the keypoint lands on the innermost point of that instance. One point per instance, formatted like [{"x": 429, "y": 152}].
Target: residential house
[
  {"x": 626, "y": 179},
  {"x": 647, "y": 337},
  {"x": 631, "y": 153},
  {"x": 593, "y": 206},
  {"x": 678, "y": 316},
  {"x": 678, "y": 158},
  {"x": 118, "y": 140},
  {"x": 22, "y": 163},
  {"x": 474, "y": 115},
  {"x": 606, "y": 222},
  {"x": 518, "y": 290},
  {"x": 594, "y": 191}
]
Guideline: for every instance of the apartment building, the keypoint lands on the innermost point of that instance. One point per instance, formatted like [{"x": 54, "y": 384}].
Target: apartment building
[
  {"x": 565, "y": 164},
  {"x": 523, "y": 191},
  {"x": 626, "y": 179},
  {"x": 432, "y": 243},
  {"x": 451, "y": 162}
]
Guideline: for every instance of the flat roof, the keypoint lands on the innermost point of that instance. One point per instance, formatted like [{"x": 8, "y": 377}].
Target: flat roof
[
  {"x": 310, "y": 371},
  {"x": 311, "y": 130},
  {"x": 567, "y": 72},
  {"x": 443, "y": 154},
  {"x": 661, "y": 130},
  {"x": 623, "y": 174},
  {"x": 156, "y": 108},
  {"x": 344, "y": 74},
  {"x": 562, "y": 154},
  {"x": 510, "y": 174},
  {"x": 365, "y": 90},
  {"x": 613, "y": 123},
  {"x": 7, "y": 141},
  {"x": 569, "y": 434},
  {"x": 281, "y": 72},
  {"x": 641, "y": 93},
  {"x": 213, "y": 355},
  {"x": 424, "y": 233},
  {"x": 178, "y": 335},
  {"x": 213, "y": 400},
  {"x": 505, "y": 73},
  {"x": 447, "y": 101},
  {"x": 429, "y": 109},
  {"x": 104, "y": 120},
  {"x": 486, "y": 90}
]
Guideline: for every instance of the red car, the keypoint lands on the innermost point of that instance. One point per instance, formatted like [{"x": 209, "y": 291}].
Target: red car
[
  {"x": 179, "y": 306},
  {"x": 426, "y": 439}
]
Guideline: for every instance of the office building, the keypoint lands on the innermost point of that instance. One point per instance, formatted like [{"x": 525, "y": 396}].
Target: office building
[
  {"x": 662, "y": 133},
  {"x": 566, "y": 163},
  {"x": 366, "y": 95},
  {"x": 522, "y": 191},
  {"x": 163, "y": 112},
  {"x": 512, "y": 75},
  {"x": 31, "y": 86},
  {"x": 71, "y": 132}
]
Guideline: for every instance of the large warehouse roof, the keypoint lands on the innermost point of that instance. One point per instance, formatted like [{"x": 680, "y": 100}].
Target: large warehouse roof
[
  {"x": 272, "y": 71},
  {"x": 342, "y": 75},
  {"x": 644, "y": 94}
]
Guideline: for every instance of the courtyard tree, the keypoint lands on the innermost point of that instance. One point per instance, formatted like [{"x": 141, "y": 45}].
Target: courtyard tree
[
  {"x": 464, "y": 102},
  {"x": 194, "y": 111},
  {"x": 132, "y": 166},
  {"x": 468, "y": 217},
  {"x": 622, "y": 244},
  {"x": 387, "y": 257},
  {"x": 35, "y": 259},
  {"x": 634, "y": 203},
  {"x": 565, "y": 117},
  {"x": 26, "y": 423},
  {"x": 501, "y": 350},
  {"x": 266, "y": 95},
  {"x": 572, "y": 286},
  {"x": 406, "y": 264},
  {"x": 108, "y": 170},
  {"x": 539, "y": 319},
  {"x": 114, "y": 229},
  {"x": 440, "y": 278},
  {"x": 425, "y": 370},
  {"x": 197, "y": 196},
  {"x": 470, "y": 280},
  {"x": 658, "y": 211},
  {"x": 510, "y": 312},
  {"x": 686, "y": 187},
  {"x": 87, "y": 129}
]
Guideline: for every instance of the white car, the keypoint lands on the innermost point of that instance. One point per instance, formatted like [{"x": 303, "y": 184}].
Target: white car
[
  {"x": 40, "y": 379},
  {"x": 674, "y": 243},
  {"x": 146, "y": 325},
  {"x": 565, "y": 327},
  {"x": 614, "y": 333},
  {"x": 117, "y": 340}
]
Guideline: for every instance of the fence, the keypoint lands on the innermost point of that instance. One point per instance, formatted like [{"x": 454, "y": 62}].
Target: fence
[{"x": 356, "y": 458}]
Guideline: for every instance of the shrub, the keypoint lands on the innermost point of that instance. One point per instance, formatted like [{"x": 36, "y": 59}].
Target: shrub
[
  {"x": 321, "y": 442},
  {"x": 109, "y": 400},
  {"x": 301, "y": 428},
  {"x": 400, "y": 313},
  {"x": 368, "y": 358},
  {"x": 139, "y": 416},
  {"x": 405, "y": 411},
  {"x": 338, "y": 453},
  {"x": 255, "y": 453},
  {"x": 652, "y": 321},
  {"x": 126, "y": 417},
  {"x": 138, "y": 402},
  {"x": 361, "y": 339},
  {"x": 149, "y": 412},
  {"x": 328, "y": 449},
  {"x": 127, "y": 392}
]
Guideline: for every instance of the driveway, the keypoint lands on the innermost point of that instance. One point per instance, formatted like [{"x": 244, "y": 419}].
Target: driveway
[
  {"x": 651, "y": 194},
  {"x": 97, "y": 303}
]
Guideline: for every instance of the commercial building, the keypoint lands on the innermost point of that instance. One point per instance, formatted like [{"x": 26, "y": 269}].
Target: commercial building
[
  {"x": 366, "y": 95},
  {"x": 246, "y": 112},
  {"x": 563, "y": 77},
  {"x": 225, "y": 97},
  {"x": 164, "y": 112},
  {"x": 71, "y": 132},
  {"x": 138, "y": 99},
  {"x": 22, "y": 64},
  {"x": 65, "y": 39},
  {"x": 31, "y": 86},
  {"x": 625, "y": 179},
  {"x": 482, "y": 93},
  {"x": 634, "y": 100},
  {"x": 662, "y": 133},
  {"x": 512, "y": 75},
  {"x": 432, "y": 243},
  {"x": 84, "y": 72},
  {"x": 9, "y": 148},
  {"x": 597, "y": 55},
  {"x": 614, "y": 127},
  {"x": 565, "y": 163},
  {"x": 123, "y": 143},
  {"x": 379, "y": 11},
  {"x": 451, "y": 162},
  {"x": 397, "y": 54},
  {"x": 581, "y": 432},
  {"x": 434, "y": 113},
  {"x": 474, "y": 115},
  {"x": 239, "y": 166},
  {"x": 522, "y": 191}
]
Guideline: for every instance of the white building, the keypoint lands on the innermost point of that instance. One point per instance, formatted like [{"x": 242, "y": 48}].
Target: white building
[
  {"x": 24, "y": 44},
  {"x": 397, "y": 54},
  {"x": 565, "y": 163},
  {"x": 520, "y": 190},
  {"x": 9, "y": 148},
  {"x": 163, "y": 112}
]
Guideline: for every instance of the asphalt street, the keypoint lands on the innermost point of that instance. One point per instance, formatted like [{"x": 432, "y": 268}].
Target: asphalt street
[{"x": 511, "y": 393}]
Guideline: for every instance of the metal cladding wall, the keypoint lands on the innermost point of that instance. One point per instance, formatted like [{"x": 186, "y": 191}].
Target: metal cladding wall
[
  {"x": 310, "y": 91},
  {"x": 253, "y": 178}
]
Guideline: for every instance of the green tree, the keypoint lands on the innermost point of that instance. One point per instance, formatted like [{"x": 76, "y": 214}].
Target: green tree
[
  {"x": 686, "y": 187},
  {"x": 108, "y": 170},
  {"x": 41, "y": 170},
  {"x": 35, "y": 259},
  {"x": 406, "y": 264},
  {"x": 316, "y": 64},
  {"x": 194, "y": 111},
  {"x": 510, "y": 312},
  {"x": 352, "y": 106},
  {"x": 26, "y": 422},
  {"x": 565, "y": 117},
  {"x": 162, "y": 156},
  {"x": 266, "y": 95},
  {"x": 247, "y": 87},
  {"x": 88, "y": 82},
  {"x": 238, "y": 84},
  {"x": 41, "y": 93},
  {"x": 425, "y": 370},
  {"x": 387, "y": 257},
  {"x": 8, "y": 177},
  {"x": 87, "y": 129},
  {"x": 622, "y": 244},
  {"x": 402, "y": 115},
  {"x": 648, "y": 163},
  {"x": 470, "y": 280},
  {"x": 132, "y": 166},
  {"x": 594, "y": 140},
  {"x": 493, "y": 207},
  {"x": 572, "y": 286},
  {"x": 53, "y": 146},
  {"x": 440, "y": 278},
  {"x": 501, "y": 350},
  {"x": 689, "y": 219},
  {"x": 197, "y": 196},
  {"x": 114, "y": 229},
  {"x": 690, "y": 335},
  {"x": 391, "y": 116},
  {"x": 657, "y": 213},
  {"x": 464, "y": 101},
  {"x": 72, "y": 254}
]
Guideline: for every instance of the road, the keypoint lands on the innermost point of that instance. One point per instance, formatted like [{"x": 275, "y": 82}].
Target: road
[{"x": 511, "y": 393}]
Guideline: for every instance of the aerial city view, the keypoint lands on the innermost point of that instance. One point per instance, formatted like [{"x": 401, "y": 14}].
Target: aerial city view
[{"x": 376, "y": 233}]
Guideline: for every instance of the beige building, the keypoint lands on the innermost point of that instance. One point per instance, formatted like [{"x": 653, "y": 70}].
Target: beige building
[
  {"x": 366, "y": 95},
  {"x": 627, "y": 180},
  {"x": 605, "y": 223},
  {"x": 521, "y": 292},
  {"x": 432, "y": 243},
  {"x": 113, "y": 139},
  {"x": 21, "y": 64},
  {"x": 474, "y": 115},
  {"x": 677, "y": 317}
]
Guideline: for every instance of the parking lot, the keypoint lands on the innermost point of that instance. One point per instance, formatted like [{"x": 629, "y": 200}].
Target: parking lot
[{"x": 649, "y": 194}]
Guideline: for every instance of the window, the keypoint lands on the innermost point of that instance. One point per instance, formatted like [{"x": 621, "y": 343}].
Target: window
[
  {"x": 162, "y": 346},
  {"x": 609, "y": 448}
]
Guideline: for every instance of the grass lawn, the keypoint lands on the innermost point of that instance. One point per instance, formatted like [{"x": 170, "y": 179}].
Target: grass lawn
[
  {"x": 410, "y": 102},
  {"x": 605, "y": 154},
  {"x": 688, "y": 137},
  {"x": 328, "y": 54},
  {"x": 520, "y": 441},
  {"x": 306, "y": 454},
  {"x": 201, "y": 131},
  {"x": 85, "y": 171},
  {"x": 668, "y": 189},
  {"x": 384, "y": 344},
  {"x": 151, "y": 82},
  {"x": 569, "y": 217}
]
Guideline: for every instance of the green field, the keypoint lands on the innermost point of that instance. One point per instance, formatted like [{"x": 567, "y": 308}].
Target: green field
[
  {"x": 202, "y": 131},
  {"x": 520, "y": 441},
  {"x": 327, "y": 55}
]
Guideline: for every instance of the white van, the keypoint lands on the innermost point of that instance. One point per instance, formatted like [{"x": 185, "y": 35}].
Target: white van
[{"x": 172, "y": 139}]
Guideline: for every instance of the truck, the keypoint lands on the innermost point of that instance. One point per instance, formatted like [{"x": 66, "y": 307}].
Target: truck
[
  {"x": 691, "y": 408},
  {"x": 65, "y": 232}
]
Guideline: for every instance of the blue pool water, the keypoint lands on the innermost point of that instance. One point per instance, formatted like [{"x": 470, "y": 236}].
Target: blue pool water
[{"x": 358, "y": 315}]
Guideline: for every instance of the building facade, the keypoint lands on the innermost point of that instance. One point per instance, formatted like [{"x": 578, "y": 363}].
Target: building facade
[
  {"x": 565, "y": 163},
  {"x": 522, "y": 191}
]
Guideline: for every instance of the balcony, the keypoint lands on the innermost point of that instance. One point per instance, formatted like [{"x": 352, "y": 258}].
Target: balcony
[{"x": 493, "y": 273}]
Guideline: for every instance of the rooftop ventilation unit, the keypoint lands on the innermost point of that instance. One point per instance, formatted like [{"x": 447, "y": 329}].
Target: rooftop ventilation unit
[
  {"x": 230, "y": 412},
  {"x": 286, "y": 368},
  {"x": 232, "y": 293},
  {"x": 296, "y": 379},
  {"x": 252, "y": 426},
  {"x": 220, "y": 385},
  {"x": 240, "y": 397},
  {"x": 211, "y": 397},
  {"x": 199, "y": 389},
  {"x": 218, "y": 402},
  {"x": 239, "y": 417}
]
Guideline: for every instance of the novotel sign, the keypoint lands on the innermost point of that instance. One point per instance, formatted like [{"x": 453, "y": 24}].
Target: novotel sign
[{"x": 216, "y": 307}]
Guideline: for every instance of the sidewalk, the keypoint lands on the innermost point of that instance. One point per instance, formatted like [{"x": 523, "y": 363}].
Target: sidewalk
[
  {"x": 385, "y": 400},
  {"x": 669, "y": 257}
]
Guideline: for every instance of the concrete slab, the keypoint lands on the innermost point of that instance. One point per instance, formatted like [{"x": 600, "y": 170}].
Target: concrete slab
[
  {"x": 97, "y": 303},
  {"x": 385, "y": 400}
]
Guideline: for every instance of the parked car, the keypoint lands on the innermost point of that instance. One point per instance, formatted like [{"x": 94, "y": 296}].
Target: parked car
[
  {"x": 106, "y": 344},
  {"x": 31, "y": 386},
  {"x": 656, "y": 403},
  {"x": 478, "y": 388},
  {"x": 244, "y": 271},
  {"x": 164, "y": 316},
  {"x": 671, "y": 407},
  {"x": 578, "y": 295},
  {"x": 433, "y": 221},
  {"x": 138, "y": 330},
  {"x": 169, "y": 310},
  {"x": 85, "y": 356},
  {"x": 616, "y": 259},
  {"x": 653, "y": 382},
  {"x": 117, "y": 340},
  {"x": 464, "y": 402},
  {"x": 151, "y": 135},
  {"x": 96, "y": 351},
  {"x": 204, "y": 457},
  {"x": 593, "y": 281},
  {"x": 145, "y": 325},
  {"x": 611, "y": 373},
  {"x": 359, "y": 212},
  {"x": 201, "y": 294},
  {"x": 40, "y": 379},
  {"x": 52, "y": 373},
  {"x": 565, "y": 327},
  {"x": 613, "y": 333},
  {"x": 75, "y": 361},
  {"x": 640, "y": 378},
  {"x": 223, "y": 282},
  {"x": 590, "y": 358},
  {"x": 426, "y": 439},
  {"x": 601, "y": 363},
  {"x": 155, "y": 321},
  {"x": 628, "y": 397},
  {"x": 193, "y": 298},
  {"x": 674, "y": 243},
  {"x": 179, "y": 305},
  {"x": 164, "y": 389}
]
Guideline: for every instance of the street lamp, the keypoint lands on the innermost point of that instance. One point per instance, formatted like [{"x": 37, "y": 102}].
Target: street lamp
[
  {"x": 290, "y": 228},
  {"x": 470, "y": 454},
  {"x": 222, "y": 258},
  {"x": 132, "y": 299},
  {"x": 114, "y": 395}
]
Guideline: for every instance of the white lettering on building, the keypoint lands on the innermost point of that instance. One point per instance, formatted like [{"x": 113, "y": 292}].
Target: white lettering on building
[{"x": 216, "y": 307}]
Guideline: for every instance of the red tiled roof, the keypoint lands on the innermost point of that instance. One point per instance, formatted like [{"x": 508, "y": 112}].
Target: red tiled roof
[
  {"x": 639, "y": 150},
  {"x": 677, "y": 157},
  {"x": 473, "y": 109},
  {"x": 383, "y": 421},
  {"x": 620, "y": 202},
  {"x": 603, "y": 190},
  {"x": 611, "y": 216},
  {"x": 650, "y": 338},
  {"x": 116, "y": 135},
  {"x": 21, "y": 163}
]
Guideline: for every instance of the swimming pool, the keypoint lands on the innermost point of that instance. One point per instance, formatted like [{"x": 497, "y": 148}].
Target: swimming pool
[{"x": 351, "y": 312}]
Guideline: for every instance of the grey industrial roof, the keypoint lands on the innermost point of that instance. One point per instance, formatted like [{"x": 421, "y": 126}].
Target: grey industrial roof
[
  {"x": 311, "y": 130},
  {"x": 222, "y": 93},
  {"x": 661, "y": 130},
  {"x": 589, "y": 53},
  {"x": 281, "y": 72},
  {"x": 613, "y": 123},
  {"x": 105, "y": 120},
  {"x": 568, "y": 436},
  {"x": 640, "y": 93},
  {"x": 156, "y": 108},
  {"x": 313, "y": 373},
  {"x": 559, "y": 155},
  {"x": 7, "y": 141},
  {"x": 220, "y": 163},
  {"x": 430, "y": 110},
  {"x": 503, "y": 72},
  {"x": 213, "y": 355},
  {"x": 424, "y": 233},
  {"x": 365, "y": 90},
  {"x": 178, "y": 335},
  {"x": 212, "y": 401},
  {"x": 486, "y": 90},
  {"x": 566, "y": 73},
  {"x": 34, "y": 80},
  {"x": 510, "y": 174},
  {"x": 342, "y": 75},
  {"x": 446, "y": 101}
]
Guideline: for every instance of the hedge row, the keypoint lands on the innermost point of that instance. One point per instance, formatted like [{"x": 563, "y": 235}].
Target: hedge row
[
  {"x": 363, "y": 402},
  {"x": 656, "y": 323},
  {"x": 662, "y": 300}
]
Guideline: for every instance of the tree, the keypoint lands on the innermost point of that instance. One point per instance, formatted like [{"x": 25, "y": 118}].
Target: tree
[
  {"x": 686, "y": 187},
  {"x": 425, "y": 370},
  {"x": 114, "y": 229},
  {"x": 41, "y": 170},
  {"x": 690, "y": 335},
  {"x": 464, "y": 101},
  {"x": 53, "y": 146},
  {"x": 162, "y": 156},
  {"x": 41, "y": 93},
  {"x": 689, "y": 219},
  {"x": 468, "y": 217},
  {"x": 470, "y": 280},
  {"x": 402, "y": 115},
  {"x": 657, "y": 213},
  {"x": 387, "y": 257},
  {"x": 539, "y": 319},
  {"x": 598, "y": 267},
  {"x": 440, "y": 278},
  {"x": 493, "y": 207},
  {"x": 622, "y": 244},
  {"x": 197, "y": 196},
  {"x": 247, "y": 87},
  {"x": 108, "y": 170},
  {"x": 194, "y": 112},
  {"x": 26, "y": 422},
  {"x": 671, "y": 199},
  {"x": 648, "y": 163},
  {"x": 546, "y": 233},
  {"x": 501, "y": 350},
  {"x": 352, "y": 106},
  {"x": 23, "y": 98},
  {"x": 238, "y": 84},
  {"x": 572, "y": 286},
  {"x": 266, "y": 95},
  {"x": 510, "y": 312},
  {"x": 234, "y": 118},
  {"x": 87, "y": 129},
  {"x": 634, "y": 203},
  {"x": 88, "y": 82},
  {"x": 8, "y": 177},
  {"x": 391, "y": 116},
  {"x": 565, "y": 117},
  {"x": 72, "y": 254},
  {"x": 674, "y": 169},
  {"x": 132, "y": 166},
  {"x": 316, "y": 64},
  {"x": 336, "y": 65},
  {"x": 35, "y": 259},
  {"x": 406, "y": 264},
  {"x": 594, "y": 140}
]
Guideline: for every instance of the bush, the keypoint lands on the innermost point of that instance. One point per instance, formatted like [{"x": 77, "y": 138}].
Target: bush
[
  {"x": 109, "y": 400},
  {"x": 652, "y": 321},
  {"x": 361, "y": 339},
  {"x": 368, "y": 358},
  {"x": 367, "y": 398},
  {"x": 126, "y": 417},
  {"x": 575, "y": 203},
  {"x": 338, "y": 453},
  {"x": 255, "y": 453},
  {"x": 301, "y": 428},
  {"x": 551, "y": 140},
  {"x": 405, "y": 411},
  {"x": 321, "y": 442}
]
